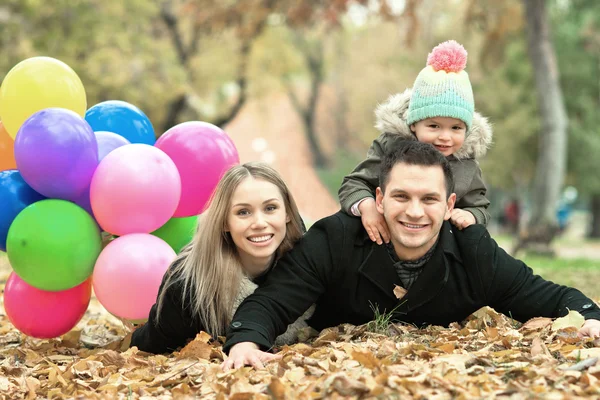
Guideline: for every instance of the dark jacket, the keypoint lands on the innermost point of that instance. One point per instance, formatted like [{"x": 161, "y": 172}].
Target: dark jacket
[
  {"x": 177, "y": 324},
  {"x": 391, "y": 116},
  {"x": 340, "y": 269}
]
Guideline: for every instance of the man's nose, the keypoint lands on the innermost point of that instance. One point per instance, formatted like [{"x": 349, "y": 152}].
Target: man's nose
[{"x": 415, "y": 209}]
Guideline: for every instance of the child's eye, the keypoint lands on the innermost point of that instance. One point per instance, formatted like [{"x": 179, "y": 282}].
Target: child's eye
[
  {"x": 433, "y": 126},
  {"x": 458, "y": 128}
]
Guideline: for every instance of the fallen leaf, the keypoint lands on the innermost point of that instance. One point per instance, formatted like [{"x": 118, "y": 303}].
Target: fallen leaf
[
  {"x": 366, "y": 358},
  {"x": 399, "y": 292},
  {"x": 536, "y": 323},
  {"x": 585, "y": 353},
  {"x": 572, "y": 320}
]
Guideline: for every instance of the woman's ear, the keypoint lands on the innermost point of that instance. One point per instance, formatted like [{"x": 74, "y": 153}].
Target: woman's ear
[{"x": 287, "y": 218}]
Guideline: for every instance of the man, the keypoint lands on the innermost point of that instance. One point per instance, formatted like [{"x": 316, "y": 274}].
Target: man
[{"x": 448, "y": 273}]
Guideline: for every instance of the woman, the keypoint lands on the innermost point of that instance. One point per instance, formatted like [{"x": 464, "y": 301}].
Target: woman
[{"x": 251, "y": 221}]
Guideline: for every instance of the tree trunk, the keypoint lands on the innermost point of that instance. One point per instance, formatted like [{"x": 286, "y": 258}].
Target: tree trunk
[
  {"x": 176, "y": 107},
  {"x": 314, "y": 63},
  {"x": 595, "y": 223},
  {"x": 550, "y": 168}
]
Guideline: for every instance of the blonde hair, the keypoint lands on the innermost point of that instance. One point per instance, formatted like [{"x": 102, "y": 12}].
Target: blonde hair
[{"x": 208, "y": 268}]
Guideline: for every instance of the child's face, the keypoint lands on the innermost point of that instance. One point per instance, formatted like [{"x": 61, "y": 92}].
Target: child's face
[{"x": 446, "y": 134}]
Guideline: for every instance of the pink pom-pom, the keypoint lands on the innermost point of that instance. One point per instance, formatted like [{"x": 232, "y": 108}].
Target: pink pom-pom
[{"x": 449, "y": 56}]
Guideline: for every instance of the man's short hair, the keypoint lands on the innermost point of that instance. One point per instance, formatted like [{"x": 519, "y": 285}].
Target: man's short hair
[{"x": 413, "y": 152}]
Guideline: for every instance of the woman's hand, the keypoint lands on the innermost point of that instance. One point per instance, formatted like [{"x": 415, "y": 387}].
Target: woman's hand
[{"x": 247, "y": 353}]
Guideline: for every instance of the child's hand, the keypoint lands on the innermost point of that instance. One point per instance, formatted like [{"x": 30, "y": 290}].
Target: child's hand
[
  {"x": 373, "y": 222},
  {"x": 461, "y": 218}
]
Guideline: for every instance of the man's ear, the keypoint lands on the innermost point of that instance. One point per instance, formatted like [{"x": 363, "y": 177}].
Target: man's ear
[
  {"x": 450, "y": 206},
  {"x": 379, "y": 200}
]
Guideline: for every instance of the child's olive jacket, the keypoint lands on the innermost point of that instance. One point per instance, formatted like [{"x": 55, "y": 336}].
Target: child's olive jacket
[{"x": 391, "y": 122}]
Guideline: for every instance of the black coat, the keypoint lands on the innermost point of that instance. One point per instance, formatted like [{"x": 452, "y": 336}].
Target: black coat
[{"x": 340, "y": 269}]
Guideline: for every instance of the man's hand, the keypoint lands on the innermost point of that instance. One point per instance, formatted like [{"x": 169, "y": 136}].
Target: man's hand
[
  {"x": 590, "y": 328},
  {"x": 373, "y": 221},
  {"x": 461, "y": 218},
  {"x": 247, "y": 353}
]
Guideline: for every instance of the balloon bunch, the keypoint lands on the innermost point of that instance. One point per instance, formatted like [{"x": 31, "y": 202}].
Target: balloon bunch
[{"x": 78, "y": 176}]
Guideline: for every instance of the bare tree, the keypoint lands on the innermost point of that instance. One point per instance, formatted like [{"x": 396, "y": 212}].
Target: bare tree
[{"x": 550, "y": 169}]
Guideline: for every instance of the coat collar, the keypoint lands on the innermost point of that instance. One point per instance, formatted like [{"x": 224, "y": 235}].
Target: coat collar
[{"x": 378, "y": 268}]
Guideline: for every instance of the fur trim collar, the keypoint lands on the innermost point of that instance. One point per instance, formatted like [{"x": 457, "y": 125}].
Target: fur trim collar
[{"x": 391, "y": 118}]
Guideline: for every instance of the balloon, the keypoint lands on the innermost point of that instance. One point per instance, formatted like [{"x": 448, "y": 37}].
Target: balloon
[
  {"x": 128, "y": 274},
  {"x": 35, "y": 84},
  {"x": 44, "y": 314},
  {"x": 57, "y": 153},
  {"x": 107, "y": 142},
  {"x": 15, "y": 195},
  {"x": 177, "y": 232},
  {"x": 135, "y": 189},
  {"x": 7, "y": 150},
  {"x": 121, "y": 118},
  {"x": 202, "y": 153},
  {"x": 53, "y": 245}
]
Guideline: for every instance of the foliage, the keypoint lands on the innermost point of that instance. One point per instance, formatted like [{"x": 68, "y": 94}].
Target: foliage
[{"x": 577, "y": 40}]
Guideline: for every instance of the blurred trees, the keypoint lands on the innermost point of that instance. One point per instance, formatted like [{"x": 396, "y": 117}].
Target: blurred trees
[{"x": 577, "y": 38}]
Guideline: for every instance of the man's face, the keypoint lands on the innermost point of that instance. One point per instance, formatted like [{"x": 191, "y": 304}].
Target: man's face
[{"x": 414, "y": 206}]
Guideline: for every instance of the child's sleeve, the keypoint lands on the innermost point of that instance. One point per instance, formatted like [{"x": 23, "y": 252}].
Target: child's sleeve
[
  {"x": 474, "y": 200},
  {"x": 364, "y": 179}
]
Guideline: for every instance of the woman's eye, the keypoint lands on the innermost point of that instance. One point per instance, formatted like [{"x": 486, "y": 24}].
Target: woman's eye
[
  {"x": 243, "y": 212},
  {"x": 271, "y": 208}
]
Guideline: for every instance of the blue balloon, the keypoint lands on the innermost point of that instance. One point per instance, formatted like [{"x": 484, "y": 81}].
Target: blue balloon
[
  {"x": 121, "y": 118},
  {"x": 15, "y": 195}
]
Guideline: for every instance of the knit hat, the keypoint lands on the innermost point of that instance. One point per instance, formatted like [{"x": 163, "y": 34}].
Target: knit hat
[{"x": 442, "y": 88}]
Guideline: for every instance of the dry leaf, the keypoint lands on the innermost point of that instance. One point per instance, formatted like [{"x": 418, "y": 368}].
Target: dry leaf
[
  {"x": 536, "y": 323},
  {"x": 399, "y": 292},
  {"x": 366, "y": 358},
  {"x": 196, "y": 349},
  {"x": 572, "y": 320}
]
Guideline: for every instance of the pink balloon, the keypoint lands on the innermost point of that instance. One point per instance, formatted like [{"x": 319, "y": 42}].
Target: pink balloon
[
  {"x": 43, "y": 314},
  {"x": 135, "y": 189},
  {"x": 128, "y": 274},
  {"x": 202, "y": 153}
]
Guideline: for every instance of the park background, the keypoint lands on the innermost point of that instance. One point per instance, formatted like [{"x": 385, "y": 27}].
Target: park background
[{"x": 294, "y": 83}]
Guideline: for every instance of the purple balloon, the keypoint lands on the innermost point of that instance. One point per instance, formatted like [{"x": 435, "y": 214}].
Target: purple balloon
[
  {"x": 108, "y": 141},
  {"x": 57, "y": 153}
]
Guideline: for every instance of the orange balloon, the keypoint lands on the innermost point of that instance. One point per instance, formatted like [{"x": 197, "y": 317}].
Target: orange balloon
[{"x": 7, "y": 150}]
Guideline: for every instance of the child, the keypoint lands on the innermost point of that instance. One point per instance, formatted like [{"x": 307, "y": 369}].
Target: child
[{"x": 439, "y": 109}]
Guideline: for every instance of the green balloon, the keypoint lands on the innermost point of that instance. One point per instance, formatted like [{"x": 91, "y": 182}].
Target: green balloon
[
  {"x": 177, "y": 232},
  {"x": 53, "y": 244}
]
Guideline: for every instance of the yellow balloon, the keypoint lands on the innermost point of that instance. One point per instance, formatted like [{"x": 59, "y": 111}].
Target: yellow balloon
[{"x": 35, "y": 84}]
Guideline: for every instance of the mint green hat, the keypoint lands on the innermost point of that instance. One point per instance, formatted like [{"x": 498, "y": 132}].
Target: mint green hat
[{"x": 443, "y": 88}]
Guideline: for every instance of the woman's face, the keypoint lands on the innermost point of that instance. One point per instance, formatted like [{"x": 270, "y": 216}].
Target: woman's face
[{"x": 257, "y": 223}]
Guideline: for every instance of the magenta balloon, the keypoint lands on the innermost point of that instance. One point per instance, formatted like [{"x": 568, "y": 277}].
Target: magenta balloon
[
  {"x": 128, "y": 273},
  {"x": 56, "y": 153},
  {"x": 108, "y": 141},
  {"x": 202, "y": 153},
  {"x": 43, "y": 314},
  {"x": 135, "y": 189}
]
